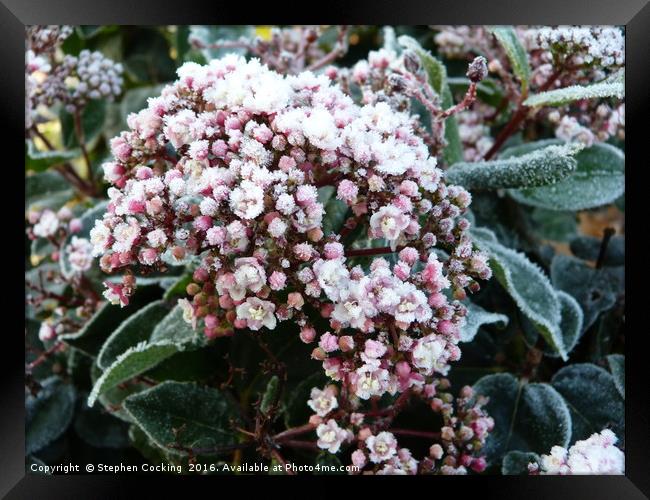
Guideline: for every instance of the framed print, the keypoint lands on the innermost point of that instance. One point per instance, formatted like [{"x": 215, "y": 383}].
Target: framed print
[{"x": 390, "y": 245}]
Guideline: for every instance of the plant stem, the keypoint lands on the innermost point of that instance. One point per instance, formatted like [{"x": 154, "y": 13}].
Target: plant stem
[
  {"x": 607, "y": 235},
  {"x": 295, "y": 431},
  {"x": 415, "y": 433}
]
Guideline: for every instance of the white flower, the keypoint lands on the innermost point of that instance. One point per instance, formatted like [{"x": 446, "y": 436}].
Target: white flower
[
  {"x": 157, "y": 238},
  {"x": 333, "y": 277},
  {"x": 429, "y": 354},
  {"x": 125, "y": 235},
  {"x": 389, "y": 222},
  {"x": 47, "y": 224},
  {"x": 247, "y": 201},
  {"x": 330, "y": 436},
  {"x": 319, "y": 129},
  {"x": 257, "y": 313},
  {"x": 322, "y": 401},
  {"x": 80, "y": 254},
  {"x": 382, "y": 447},
  {"x": 100, "y": 236},
  {"x": 371, "y": 381}
]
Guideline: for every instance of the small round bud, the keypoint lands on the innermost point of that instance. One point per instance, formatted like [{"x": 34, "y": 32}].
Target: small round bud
[{"x": 477, "y": 69}]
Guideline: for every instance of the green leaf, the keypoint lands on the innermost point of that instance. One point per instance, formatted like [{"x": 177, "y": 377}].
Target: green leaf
[
  {"x": 336, "y": 212},
  {"x": 88, "y": 219},
  {"x": 592, "y": 398},
  {"x": 599, "y": 179},
  {"x": 93, "y": 117},
  {"x": 112, "y": 399},
  {"x": 99, "y": 429},
  {"x": 527, "y": 417},
  {"x": 132, "y": 331},
  {"x": 185, "y": 414},
  {"x": 573, "y": 93},
  {"x": 594, "y": 289},
  {"x": 538, "y": 168},
  {"x": 570, "y": 326},
  {"x": 147, "y": 57},
  {"x": 49, "y": 414},
  {"x": 174, "y": 328},
  {"x": 515, "y": 463},
  {"x": 108, "y": 317},
  {"x": 617, "y": 367},
  {"x": 177, "y": 289},
  {"x": 515, "y": 51},
  {"x": 38, "y": 161},
  {"x": 529, "y": 288},
  {"x": 476, "y": 317},
  {"x": 46, "y": 190},
  {"x": 131, "y": 363},
  {"x": 270, "y": 396},
  {"x": 437, "y": 77}
]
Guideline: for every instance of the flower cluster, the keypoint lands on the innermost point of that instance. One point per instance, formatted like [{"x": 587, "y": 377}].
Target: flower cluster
[
  {"x": 594, "y": 455},
  {"x": 457, "y": 448},
  {"x": 70, "y": 80}
]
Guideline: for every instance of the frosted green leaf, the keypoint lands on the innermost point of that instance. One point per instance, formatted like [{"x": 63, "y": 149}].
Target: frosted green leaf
[
  {"x": 100, "y": 429},
  {"x": 108, "y": 317},
  {"x": 38, "y": 161},
  {"x": 437, "y": 77},
  {"x": 515, "y": 463},
  {"x": 88, "y": 219},
  {"x": 184, "y": 414},
  {"x": 527, "y": 417},
  {"x": 476, "y": 317},
  {"x": 599, "y": 179},
  {"x": 592, "y": 398},
  {"x": 593, "y": 288},
  {"x": 174, "y": 328},
  {"x": 336, "y": 212},
  {"x": 570, "y": 326},
  {"x": 537, "y": 168},
  {"x": 616, "y": 364},
  {"x": 131, "y": 363},
  {"x": 131, "y": 332},
  {"x": 566, "y": 95},
  {"x": 48, "y": 414},
  {"x": 46, "y": 190},
  {"x": 515, "y": 51},
  {"x": 529, "y": 288},
  {"x": 111, "y": 399}
]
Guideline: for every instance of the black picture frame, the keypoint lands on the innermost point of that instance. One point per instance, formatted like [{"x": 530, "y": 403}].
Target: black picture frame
[{"x": 15, "y": 14}]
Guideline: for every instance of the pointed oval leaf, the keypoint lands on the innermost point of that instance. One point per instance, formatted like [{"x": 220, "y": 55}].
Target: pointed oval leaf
[
  {"x": 593, "y": 400},
  {"x": 515, "y": 51},
  {"x": 537, "y": 168},
  {"x": 184, "y": 414},
  {"x": 529, "y": 288},
  {"x": 617, "y": 367},
  {"x": 527, "y": 417},
  {"x": 48, "y": 414},
  {"x": 132, "y": 331},
  {"x": 476, "y": 317},
  {"x": 599, "y": 179}
]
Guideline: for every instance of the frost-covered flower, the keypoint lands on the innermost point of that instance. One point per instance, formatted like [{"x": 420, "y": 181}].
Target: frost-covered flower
[
  {"x": 330, "y": 436},
  {"x": 389, "y": 222},
  {"x": 257, "y": 313},
  {"x": 594, "y": 455},
  {"x": 47, "y": 225},
  {"x": 80, "y": 254},
  {"x": 323, "y": 401}
]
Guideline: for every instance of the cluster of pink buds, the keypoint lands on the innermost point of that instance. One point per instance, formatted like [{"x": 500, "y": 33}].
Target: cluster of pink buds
[
  {"x": 56, "y": 227},
  {"x": 225, "y": 165},
  {"x": 456, "y": 449}
]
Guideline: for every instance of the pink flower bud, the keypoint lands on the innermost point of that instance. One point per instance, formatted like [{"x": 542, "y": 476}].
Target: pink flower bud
[
  {"x": 359, "y": 459},
  {"x": 479, "y": 464},
  {"x": 403, "y": 369},
  {"x": 346, "y": 343},
  {"x": 307, "y": 334},
  {"x": 75, "y": 225},
  {"x": 328, "y": 342},
  {"x": 319, "y": 354},
  {"x": 295, "y": 300}
]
